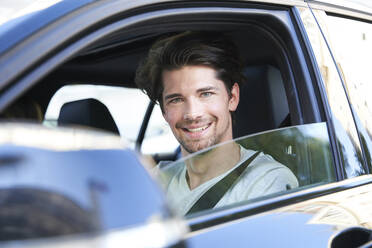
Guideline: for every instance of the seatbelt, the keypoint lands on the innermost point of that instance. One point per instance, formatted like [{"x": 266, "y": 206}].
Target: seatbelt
[{"x": 210, "y": 198}]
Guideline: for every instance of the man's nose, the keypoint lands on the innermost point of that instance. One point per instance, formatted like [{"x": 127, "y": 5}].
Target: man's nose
[{"x": 193, "y": 110}]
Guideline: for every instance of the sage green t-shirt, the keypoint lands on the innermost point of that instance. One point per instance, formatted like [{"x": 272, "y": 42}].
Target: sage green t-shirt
[{"x": 262, "y": 177}]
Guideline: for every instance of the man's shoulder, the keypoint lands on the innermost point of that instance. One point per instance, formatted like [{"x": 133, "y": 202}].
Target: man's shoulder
[{"x": 264, "y": 167}]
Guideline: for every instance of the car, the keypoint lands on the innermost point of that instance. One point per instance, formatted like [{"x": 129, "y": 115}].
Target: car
[{"x": 80, "y": 143}]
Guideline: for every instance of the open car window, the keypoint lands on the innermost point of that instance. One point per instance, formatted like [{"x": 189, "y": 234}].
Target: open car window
[
  {"x": 158, "y": 136},
  {"x": 118, "y": 101},
  {"x": 285, "y": 160}
]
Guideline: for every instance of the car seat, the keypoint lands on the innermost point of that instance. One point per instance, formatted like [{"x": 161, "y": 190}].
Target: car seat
[
  {"x": 263, "y": 106},
  {"x": 263, "y": 103},
  {"x": 89, "y": 113}
]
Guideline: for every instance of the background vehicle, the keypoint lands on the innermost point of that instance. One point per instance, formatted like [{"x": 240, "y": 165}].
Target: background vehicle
[{"x": 298, "y": 77}]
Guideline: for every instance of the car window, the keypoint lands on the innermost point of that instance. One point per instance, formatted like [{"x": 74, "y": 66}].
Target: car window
[
  {"x": 158, "y": 137},
  {"x": 341, "y": 116},
  {"x": 119, "y": 101},
  {"x": 352, "y": 54},
  {"x": 288, "y": 159}
]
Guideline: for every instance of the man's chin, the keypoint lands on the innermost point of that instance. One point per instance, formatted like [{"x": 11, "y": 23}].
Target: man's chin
[{"x": 193, "y": 148}]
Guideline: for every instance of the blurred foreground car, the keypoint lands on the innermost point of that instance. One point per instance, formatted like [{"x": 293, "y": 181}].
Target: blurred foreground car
[{"x": 79, "y": 140}]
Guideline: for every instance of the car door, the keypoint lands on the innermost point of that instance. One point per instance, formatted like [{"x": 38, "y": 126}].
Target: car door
[
  {"x": 295, "y": 96},
  {"x": 278, "y": 223}
]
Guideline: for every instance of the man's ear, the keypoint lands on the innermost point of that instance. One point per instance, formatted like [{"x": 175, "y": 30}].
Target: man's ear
[{"x": 234, "y": 97}]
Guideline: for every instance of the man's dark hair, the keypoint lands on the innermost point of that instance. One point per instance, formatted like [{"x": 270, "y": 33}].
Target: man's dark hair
[{"x": 189, "y": 48}]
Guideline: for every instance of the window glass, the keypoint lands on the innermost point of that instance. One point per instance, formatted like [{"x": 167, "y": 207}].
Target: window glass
[
  {"x": 351, "y": 42},
  {"x": 346, "y": 135},
  {"x": 159, "y": 137},
  {"x": 284, "y": 159},
  {"x": 117, "y": 99}
]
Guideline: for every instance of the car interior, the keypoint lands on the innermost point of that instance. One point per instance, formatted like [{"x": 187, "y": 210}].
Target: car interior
[
  {"x": 268, "y": 97},
  {"x": 84, "y": 113}
]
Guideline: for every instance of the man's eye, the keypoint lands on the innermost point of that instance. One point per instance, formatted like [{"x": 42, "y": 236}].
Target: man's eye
[
  {"x": 175, "y": 100},
  {"x": 206, "y": 94}
]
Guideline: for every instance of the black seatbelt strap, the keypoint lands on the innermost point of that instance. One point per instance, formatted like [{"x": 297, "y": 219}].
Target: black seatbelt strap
[{"x": 210, "y": 198}]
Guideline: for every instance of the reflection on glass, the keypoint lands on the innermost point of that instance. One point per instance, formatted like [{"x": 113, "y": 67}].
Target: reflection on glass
[
  {"x": 278, "y": 161},
  {"x": 86, "y": 183},
  {"x": 346, "y": 134},
  {"x": 338, "y": 209},
  {"x": 28, "y": 212},
  {"x": 351, "y": 44}
]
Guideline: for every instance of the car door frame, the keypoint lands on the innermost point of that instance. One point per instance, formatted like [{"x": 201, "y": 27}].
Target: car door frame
[
  {"x": 60, "y": 42},
  {"x": 351, "y": 11}
]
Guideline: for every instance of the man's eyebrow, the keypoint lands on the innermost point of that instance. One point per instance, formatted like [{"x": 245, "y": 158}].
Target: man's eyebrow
[
  {"x": 207, "y": 89},
  {"x": 170, "y": 96}
]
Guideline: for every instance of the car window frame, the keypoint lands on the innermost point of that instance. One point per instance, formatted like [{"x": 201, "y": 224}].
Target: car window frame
[
  {"x": 316, "y": 10},
  {"x": 362, "y": 132}
]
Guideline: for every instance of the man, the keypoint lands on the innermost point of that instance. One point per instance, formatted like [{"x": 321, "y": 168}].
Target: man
[{"x": 195, "y": 77}]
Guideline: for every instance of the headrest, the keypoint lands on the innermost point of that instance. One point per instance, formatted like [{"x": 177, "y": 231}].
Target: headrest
[
  {"x": 263, "y": 102},
  {"x": 87, "y": 112}
]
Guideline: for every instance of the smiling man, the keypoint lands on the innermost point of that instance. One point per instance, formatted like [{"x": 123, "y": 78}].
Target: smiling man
[
  {"x": 195, "y": 77},
  {"x": 197, "y": 106}
]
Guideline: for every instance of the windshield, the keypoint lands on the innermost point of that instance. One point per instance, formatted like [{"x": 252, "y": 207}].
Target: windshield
[
  {"x": 10, "y": 9},
  {"x": 247, "y": 168},
  {"x": 20, "y": 19}
]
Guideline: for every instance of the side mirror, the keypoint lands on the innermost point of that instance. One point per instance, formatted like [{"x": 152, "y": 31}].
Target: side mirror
[{"x": 93, "y": 193}]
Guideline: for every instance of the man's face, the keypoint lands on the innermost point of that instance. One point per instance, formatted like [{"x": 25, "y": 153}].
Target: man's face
[{"x": 197, "y": 107}]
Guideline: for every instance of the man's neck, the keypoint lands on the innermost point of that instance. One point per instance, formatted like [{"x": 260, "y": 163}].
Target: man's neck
[{"x": 211, "y": 164}]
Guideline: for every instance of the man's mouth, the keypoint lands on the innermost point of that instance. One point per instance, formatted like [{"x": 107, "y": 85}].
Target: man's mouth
[{"x": 195, "y": 130}]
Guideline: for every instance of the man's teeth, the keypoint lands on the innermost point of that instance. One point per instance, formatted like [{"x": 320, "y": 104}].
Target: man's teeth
[{"x": 193, "y": 130}]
